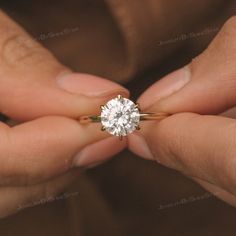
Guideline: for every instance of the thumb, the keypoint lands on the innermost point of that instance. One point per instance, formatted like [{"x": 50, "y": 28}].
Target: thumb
[
  {"x": 35, "y": 84},
  {"x": 206, "y": 86},
  {"x": 199, "y": 146}
]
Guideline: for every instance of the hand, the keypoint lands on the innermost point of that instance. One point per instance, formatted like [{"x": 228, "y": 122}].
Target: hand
[
  {"x": 201, "y": 146},
  {"x": 38, "y": 157}
]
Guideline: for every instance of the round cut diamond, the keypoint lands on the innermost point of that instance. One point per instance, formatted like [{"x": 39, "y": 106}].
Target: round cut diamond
[{"x": 120, "y": 116}]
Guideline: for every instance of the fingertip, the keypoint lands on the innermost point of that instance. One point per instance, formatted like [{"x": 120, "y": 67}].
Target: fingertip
[
  {"x": 165, "y": 87},
  {"x": 99, "y": 151},
  {"x": 89, "y": 85},
  {"x": 138, "y": 145},
  {"x": 159, "y": 140}
]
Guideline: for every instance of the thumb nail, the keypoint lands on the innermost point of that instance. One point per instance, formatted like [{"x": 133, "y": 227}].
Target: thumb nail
[
  {"x": 89, "y": 85},
  {"x": 99, "y": 152},
  {"x": 138, "y": 145},
  {"x": 165, "y": 87}
]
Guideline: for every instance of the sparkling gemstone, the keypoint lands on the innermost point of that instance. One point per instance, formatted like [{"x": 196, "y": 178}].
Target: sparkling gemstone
[{"x": 120, "y": 116}]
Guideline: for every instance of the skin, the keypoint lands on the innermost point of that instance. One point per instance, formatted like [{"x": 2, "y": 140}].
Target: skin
[
  {"x": 199, "y": 140},
  {"x": 40, "y": 155}
]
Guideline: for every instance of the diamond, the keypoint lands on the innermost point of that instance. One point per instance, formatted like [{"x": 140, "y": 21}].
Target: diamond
[{"x": 120, "y": 116}]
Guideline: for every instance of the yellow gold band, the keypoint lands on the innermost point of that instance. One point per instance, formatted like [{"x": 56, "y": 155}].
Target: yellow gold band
[{"x": 143, "y": 117}]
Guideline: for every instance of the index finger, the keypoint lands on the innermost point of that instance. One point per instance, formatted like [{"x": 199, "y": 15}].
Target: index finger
[{"x": 38, "y": 150}]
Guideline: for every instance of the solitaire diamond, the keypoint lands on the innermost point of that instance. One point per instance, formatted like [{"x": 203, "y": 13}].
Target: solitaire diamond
[{"x": 120, "y": 116}]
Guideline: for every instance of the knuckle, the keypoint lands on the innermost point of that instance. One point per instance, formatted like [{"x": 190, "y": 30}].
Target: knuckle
[
  {"x": 220, "y": 57},
  {"x": 225, "y": 40},
  {"x": 19, "y": 49},
  {"x": 172, "y": 144},
  {"x": 228, "y": 34},
  {"x": 230, "y": 24}
]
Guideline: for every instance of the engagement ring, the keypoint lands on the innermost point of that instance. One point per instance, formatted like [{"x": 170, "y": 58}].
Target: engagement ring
[{"x": 120, "y": 117}]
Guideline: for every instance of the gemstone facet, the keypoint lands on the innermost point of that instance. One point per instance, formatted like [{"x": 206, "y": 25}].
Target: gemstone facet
[{"x": 120, "y": 116}]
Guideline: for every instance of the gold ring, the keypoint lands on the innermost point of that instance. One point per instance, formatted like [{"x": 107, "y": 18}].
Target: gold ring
[{"x": 121, "y": 116}]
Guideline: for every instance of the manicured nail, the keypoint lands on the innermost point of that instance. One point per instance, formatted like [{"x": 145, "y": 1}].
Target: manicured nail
[
  {"x": 165, "y": 87},
  {"x": 99, "y": 152},
  {"x": 89, "y": 85},
  {"x": 138, "y": 145}
]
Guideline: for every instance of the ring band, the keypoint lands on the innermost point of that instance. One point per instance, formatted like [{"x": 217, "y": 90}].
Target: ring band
[
  {"x": 120, "y": 117},
  {"x": 143, "y": 117}
]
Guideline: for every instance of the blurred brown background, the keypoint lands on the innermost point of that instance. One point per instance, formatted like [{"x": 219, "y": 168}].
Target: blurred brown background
[{"x": 134, "y": 42}]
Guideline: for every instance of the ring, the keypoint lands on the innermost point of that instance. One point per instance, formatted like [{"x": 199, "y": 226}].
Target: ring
[{"x": 121, "y": 116}]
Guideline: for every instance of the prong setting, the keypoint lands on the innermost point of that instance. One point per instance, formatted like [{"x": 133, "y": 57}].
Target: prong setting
[
  {"x": 119, "y": 97},
  {"x": 137, "y": 105}
]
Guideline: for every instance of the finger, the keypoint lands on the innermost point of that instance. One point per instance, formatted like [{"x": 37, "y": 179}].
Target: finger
[
  {"x": 231, "y": 113},
  {"x": 218, "y": 192},
  {"x": 43, "y": 148},
  {"x": 199, "y": 146},
  {"x": 15, "y": 199},
  {"x": 206, "y": 86},
  {"x": 35, "y": 84},
  {"x": 99, "y": 152}
]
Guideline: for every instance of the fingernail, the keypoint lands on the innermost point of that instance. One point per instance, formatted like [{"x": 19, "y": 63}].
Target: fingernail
[
  {"x": 165, "y": 87},
  {"x": 89, "y": 85},
  {"x": 138, "y": 145},
  {"x": 99, "y": 152}
]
